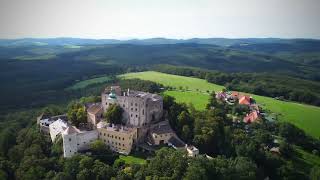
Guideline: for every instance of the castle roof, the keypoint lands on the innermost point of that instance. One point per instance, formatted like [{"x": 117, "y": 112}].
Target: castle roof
[
  {"x": 162, "y": 129},
  {"x": 95, "y": 109},
  {"x": 144, "y": 95},
  {"x": 71, "y": 130},
  {"x": 176, "y": 142}
]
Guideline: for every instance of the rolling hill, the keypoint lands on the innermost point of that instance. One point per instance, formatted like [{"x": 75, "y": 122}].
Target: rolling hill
[{"x": 303, "y": 116}]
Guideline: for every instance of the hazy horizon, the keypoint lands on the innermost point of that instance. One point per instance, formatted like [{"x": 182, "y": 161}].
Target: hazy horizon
[{"x": 143, "y": 19}]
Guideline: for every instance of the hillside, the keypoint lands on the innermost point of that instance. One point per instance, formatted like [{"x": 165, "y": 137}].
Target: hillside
[{"x": 303, "y": 116}]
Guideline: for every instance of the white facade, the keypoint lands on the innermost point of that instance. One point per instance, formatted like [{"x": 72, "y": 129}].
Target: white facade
[
  {"x": 56, "y": 128},
  {"x": 75, "y": 140},
  {"x": 192, "y": 151}
]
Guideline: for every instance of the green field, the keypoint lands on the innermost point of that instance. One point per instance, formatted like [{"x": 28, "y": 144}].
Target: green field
[
  {"x": 193, "y": 84},
  {"x": 132, "y": 159},
  {"x": 304, "y": 116},
  {"x": 197, "y": 99},
  {"x": 85, "y": 83}
]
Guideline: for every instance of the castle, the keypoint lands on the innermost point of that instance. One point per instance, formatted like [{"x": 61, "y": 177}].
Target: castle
[{"x": 144, "y": 124}]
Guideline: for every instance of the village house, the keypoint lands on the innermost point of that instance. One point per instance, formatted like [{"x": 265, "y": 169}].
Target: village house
[
  {"x": 192, "y": 151},
  {"x": 245, "y": 100},
  {"x": 251, "y": 117}
]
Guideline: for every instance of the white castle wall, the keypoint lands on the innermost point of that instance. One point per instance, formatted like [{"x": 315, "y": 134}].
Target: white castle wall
[{"x": 72, "y": 143}]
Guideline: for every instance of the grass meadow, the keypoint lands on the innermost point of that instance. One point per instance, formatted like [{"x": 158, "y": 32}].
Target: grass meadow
[
  {"x": 304, "y": 116},
  {"x": 85, "y": 83}
]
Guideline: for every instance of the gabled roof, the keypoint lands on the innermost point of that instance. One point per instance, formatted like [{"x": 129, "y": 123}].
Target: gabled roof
[
  {"x": 161, "y": 129},
  {"x": 252, "y": 117},
  {"x": 95, "y": 109},
  {"x": 176, "y": 142},
  {"x": 245, "y": 100},
  {"x": 71, "y": 130}
]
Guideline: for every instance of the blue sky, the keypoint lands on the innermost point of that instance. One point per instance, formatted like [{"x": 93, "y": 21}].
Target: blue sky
[{"x": 123, "y": 19}]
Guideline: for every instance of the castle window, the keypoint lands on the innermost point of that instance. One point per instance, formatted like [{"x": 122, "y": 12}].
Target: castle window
[
  {"x": 136, "y": 109},
  {"x": 142, "y": 111},
  {"x": 104, "y": 140},
  {"x": 78, "y": 144},
  {"x": 123, "y": 145},
  {"x": 104, "y": 134},
  {"x": 69, "y": 139},
  {"x": 136, "y": 115},
  {"x": 131, "y": 115},
  {"x": 123, "y": 105},
  {"x": 123, "y": 139},
  {"x": 135, "y": 104}
]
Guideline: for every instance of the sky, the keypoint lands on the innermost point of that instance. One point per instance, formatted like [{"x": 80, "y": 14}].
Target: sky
[{"x": 179, "y": 19}]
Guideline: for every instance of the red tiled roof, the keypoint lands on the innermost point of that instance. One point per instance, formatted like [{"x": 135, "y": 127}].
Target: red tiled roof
[
  {"x": 244, "y": 100},
  {"x": 252, "y": 117}
]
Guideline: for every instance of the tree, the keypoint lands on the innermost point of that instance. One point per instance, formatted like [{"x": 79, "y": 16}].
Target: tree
[
  {"x": 98, "y": 146},
  {"x": 76, "y": 113},
  {"x": 186, "y": 133},
  {"x": 315, "y": 173},
  {"x": 114, "y": 114}
]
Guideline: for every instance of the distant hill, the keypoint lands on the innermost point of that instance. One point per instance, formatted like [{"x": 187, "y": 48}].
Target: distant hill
[
  {"x": 151, "y": 41},
  {"x": 280, "y": 58},
  {"x": 194, "y": 55}
]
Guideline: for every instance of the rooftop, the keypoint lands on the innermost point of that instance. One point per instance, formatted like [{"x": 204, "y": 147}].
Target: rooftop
[
  {"x": 95, "y": 108},
  {"x": 161, "y": 129},
  {"x": 113, "y": 127},
  {"x": 145, "y": 95},
  {"x": 177, "y": 143}
]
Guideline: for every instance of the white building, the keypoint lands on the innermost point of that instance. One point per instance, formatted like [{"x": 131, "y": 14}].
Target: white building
[
  {"x": 56, "y": 128},
  {"x": 75, "y": 140},
  {"x": 192, "y": 151}
]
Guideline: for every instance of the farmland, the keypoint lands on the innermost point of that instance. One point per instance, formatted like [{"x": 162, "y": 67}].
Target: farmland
[
  {"x": 85, "y": 83},
  {"x": 303, "y": 116}
]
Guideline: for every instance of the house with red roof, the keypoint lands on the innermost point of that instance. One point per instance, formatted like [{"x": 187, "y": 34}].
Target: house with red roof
[
  {"x": 245, "y": 100},
  {"x": 252, "y": 117}
]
